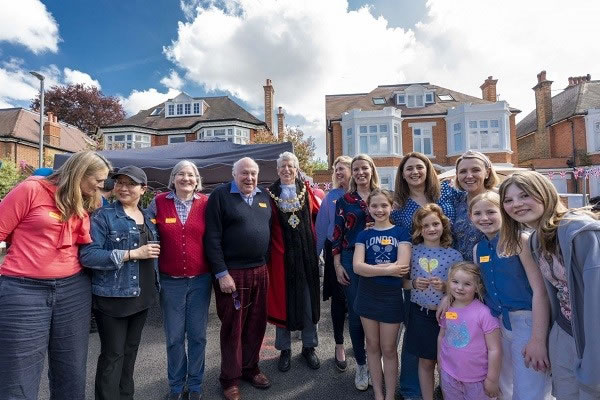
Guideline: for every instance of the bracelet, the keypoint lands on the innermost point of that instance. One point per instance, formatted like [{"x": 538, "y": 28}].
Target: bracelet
[{"x": 413, "y": 283}]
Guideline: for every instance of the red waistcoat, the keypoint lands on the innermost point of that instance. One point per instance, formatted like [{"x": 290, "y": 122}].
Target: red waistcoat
[{"x": 181, "y": 246}]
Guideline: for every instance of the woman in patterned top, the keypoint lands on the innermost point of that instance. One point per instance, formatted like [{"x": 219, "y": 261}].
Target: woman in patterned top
[
  {"x": 474, "y": 175},
  {"x": 351, "y": 218}
]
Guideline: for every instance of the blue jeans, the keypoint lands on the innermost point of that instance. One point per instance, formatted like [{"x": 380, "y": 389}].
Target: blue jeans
[
  {"x": 185, "y": 303},
  {"x": 39, "y": 316},
  {"x": 408, "y": 381},
  {"x": 357, "y": 334}
]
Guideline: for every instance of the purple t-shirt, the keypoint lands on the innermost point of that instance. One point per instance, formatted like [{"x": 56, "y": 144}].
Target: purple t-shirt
[{"x": 463, "y": 352}]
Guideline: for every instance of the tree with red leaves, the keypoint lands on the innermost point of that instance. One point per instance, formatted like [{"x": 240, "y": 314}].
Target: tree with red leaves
[{"x": 82, "y": 106}]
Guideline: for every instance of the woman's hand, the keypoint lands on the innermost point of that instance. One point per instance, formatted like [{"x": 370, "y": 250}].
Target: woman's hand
[
  {"x": 145, "y": 251},
  {"x": 341, "y": 275},
  {"x": 535, "y": 355},
  {"x": 421, "y": 283},
  {"x": 436, "y": 283},
  {"x": 442, "y": 307},
  {"x": 491, "y": 388}
]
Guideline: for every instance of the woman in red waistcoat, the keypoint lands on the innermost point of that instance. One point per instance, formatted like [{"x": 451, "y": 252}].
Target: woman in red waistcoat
[{"x": 185, "y": 278}]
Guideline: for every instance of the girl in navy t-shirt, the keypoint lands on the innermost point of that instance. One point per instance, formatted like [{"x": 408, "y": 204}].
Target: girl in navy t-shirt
[{"x": 381, "y": 259}]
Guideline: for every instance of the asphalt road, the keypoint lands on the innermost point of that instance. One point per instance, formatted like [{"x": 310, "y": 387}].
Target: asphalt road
[{"x": 299, "y": 383}]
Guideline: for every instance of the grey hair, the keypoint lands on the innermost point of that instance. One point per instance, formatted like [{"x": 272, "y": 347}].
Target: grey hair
[
  {"x": 178, "y": 167},
  {"x": 287, "y": 156},
  {"x": 243, "y": 159}
]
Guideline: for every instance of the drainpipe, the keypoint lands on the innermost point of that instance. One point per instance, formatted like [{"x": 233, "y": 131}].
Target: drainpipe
[{"x": 574, "y": 156}]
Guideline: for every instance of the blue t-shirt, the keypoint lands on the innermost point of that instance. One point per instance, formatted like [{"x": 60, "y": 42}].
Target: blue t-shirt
[{"x": 381, "y": 247}]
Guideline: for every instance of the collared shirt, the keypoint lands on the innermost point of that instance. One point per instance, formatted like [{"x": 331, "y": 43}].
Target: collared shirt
[
  {"x": 247, "y": 198},
  {"x": 182, "y": 207}
]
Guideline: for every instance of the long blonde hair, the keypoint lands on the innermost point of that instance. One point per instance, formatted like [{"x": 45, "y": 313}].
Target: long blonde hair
[
  {"x": 471, "y": 269},
  {"x": 542, "y": 190},
  {"x": 432, "y": 184},
  {"x": 69, "y": 199},
  {"x": 347, "y": 161},
  {"x": 492, "y": 179},
  {"x": 374, "y": 184}
]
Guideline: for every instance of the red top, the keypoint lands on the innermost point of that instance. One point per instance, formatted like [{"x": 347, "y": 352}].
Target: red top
[
  {"x": 181, "y": 245},
  {"x": 41, "y": 245}
]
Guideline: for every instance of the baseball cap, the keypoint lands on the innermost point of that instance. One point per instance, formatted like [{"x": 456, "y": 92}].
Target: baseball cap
[{"x": 137, "y": 174}]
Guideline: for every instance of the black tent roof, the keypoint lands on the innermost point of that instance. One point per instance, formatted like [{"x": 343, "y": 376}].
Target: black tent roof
[{"x": 214, "y": 159}]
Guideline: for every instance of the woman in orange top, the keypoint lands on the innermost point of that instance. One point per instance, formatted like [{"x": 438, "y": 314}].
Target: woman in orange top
[{"x": 45, "y": 296}]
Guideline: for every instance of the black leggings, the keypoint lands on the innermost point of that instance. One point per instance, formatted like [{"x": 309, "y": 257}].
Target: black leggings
[{"x": 336, "y": 292}]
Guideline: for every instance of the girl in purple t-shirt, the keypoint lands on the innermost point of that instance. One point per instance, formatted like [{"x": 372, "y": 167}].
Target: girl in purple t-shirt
[{"x": 469, "y": 349}]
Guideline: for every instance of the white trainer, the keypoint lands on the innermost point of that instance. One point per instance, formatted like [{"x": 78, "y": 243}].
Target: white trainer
[{"x": 361, "y": 378}]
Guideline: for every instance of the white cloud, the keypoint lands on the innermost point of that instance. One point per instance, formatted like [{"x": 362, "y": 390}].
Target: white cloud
[
  {"x": 27, "y": 22},
  {"x": 144, "y": 99},
  {"x": 312, "y": 48},
  {"x": 173, "y": 81},
  {"x": 75, "y": 77}
]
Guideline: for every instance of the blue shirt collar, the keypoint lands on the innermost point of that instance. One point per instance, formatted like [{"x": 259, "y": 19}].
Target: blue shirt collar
[{"x": 235, "y": 189}]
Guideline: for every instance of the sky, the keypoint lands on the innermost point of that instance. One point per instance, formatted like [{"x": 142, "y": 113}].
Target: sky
[{"x": 145, "y": 52}]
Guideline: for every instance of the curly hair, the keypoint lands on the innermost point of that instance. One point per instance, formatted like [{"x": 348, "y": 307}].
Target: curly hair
[{"x": 421, "y": 214}]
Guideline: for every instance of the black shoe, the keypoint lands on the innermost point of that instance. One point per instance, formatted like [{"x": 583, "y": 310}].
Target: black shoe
[
  {"x": 311, "y": 357},
  {"x": 285, "y": 360},
  {"x": 341, "y": 365}
]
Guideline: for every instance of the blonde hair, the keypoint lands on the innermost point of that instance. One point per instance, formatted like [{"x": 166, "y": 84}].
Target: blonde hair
[
  {"x": 381, "y": 192},
  {"x": 374, "y": 184},
  {"x": 491, "y": 197},
  {"x": 347, "y": 161},
  {"x": 492, "y": 179},
  {"x": 432, "y": 184},
  {"x": 69, "y": 199},
  {"x": 542, "y": 190},
  {"x": 421, "y": 214},
  {"x": 471, "y": 269}
]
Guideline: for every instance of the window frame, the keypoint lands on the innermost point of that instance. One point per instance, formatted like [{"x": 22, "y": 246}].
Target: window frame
[
  {"x": 171, "y": 137},
  {"x": 130, "y": 140},
  {"x": 426, "y": 132}
]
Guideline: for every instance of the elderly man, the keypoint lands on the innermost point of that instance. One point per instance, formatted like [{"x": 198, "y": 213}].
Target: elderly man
[{"x": 236, "y": 242}]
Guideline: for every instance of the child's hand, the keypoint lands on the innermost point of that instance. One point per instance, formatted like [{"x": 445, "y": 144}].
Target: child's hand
[
  {"x": 398, "y": 270},
  {"x": 491, "y": 388},
  {"x": 535, "y": 356},
  {"x": 404, "y": 269},
  {"x": 442, "y": 307},
  {"x": 369, "y": 225},
  {"x": 421, "y": 283},
  {"x": 436, "y": 283}
]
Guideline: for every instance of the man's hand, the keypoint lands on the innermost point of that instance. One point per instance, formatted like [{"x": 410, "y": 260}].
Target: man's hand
[{"x": 227, "y": 284}]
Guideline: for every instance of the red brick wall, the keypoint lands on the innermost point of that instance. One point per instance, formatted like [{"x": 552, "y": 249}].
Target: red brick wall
[
  {"x": 190, "y": 137},
  {"x": 159, "y": 140},
  {"x": 322, "y": 176},
  {"x": 513, "y": 139},
  {"x": 337, "y": 140}
]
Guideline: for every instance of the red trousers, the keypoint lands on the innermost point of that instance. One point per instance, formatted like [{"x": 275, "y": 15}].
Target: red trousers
[{"x": 243, "y": 330}]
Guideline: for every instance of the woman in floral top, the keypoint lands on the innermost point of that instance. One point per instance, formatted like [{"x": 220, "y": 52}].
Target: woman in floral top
[{"x": 351, "y": 218}]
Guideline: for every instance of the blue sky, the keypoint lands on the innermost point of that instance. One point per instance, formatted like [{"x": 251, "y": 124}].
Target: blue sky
[{"x": 146, "y": 51}]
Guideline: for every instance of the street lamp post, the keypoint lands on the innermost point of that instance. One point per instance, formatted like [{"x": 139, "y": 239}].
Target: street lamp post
[{"x": 41, "y": 78}]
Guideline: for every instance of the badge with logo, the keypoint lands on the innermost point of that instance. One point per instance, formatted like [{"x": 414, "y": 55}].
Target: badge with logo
[
  {"x": 54, "y": 215},
  {"x": 484, "y": 259},
  {"x": 262, "y": 205},
  {"x": 170, "y": 220},
  {"x": 451, "y": 315}
]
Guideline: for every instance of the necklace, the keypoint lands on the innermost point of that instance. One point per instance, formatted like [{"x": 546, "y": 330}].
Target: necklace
[{"x": 293, "y": 220}]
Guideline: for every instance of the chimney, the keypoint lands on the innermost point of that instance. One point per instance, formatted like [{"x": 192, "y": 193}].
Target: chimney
[
  {"x": 52, "y": 130},
  {"x": 488, "y": 89},
  {"x": 280, "y": 123},
  {"x": 576, "y": 80},
  {"x": 543, "y": 110},
  {"x": 269, "y": 94}
]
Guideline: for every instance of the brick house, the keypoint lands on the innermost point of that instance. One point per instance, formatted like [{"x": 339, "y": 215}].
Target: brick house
[
  {"x": 563, "y": 133},
  {"x": 20, "y": 133},
  {"x": 392, "y": 120},
  {"x": 185, "y": 118}
]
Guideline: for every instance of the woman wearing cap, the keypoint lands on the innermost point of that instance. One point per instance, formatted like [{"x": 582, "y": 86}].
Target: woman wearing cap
[
  {"x": 185, "y": 278},
  {"x": 45, "y": 297},
  {"x": 123, "y": 259},
  {"x": 474, "y": 175}
]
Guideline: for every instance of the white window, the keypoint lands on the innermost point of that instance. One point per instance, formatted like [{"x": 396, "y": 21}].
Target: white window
[
  {"x": 385, "y": 182},
  {"x": 117, "y": 141},
  {"x": 457, "y": 135},
  {"x": 196, "y": 108},
  {"x": 374, "y": 139},
  {"x": 176, "y": 139},
  {"x": 400, "y": 99},
  {"x": 378, "y": 101},
  {"x": 188, "y": 108},
  {"x": 445, "y": 97},
  {"x": 414, "y": 100},
  {"x": 423, "y": 140},
  {"x": 597, "y": 135},
  {"x": 171, "y": 109},
  {"x": 179, "y": 109},
  {"x": 233, "y": 134},
  {"x": 429, "y": 97},
  {"x": 219, "y": 132},
  {"x": 349, "y": 142},
  {"x": 397, "y": 139},
  {"x": 209, "y": 132},
  {"x": 484, "y": 134}
]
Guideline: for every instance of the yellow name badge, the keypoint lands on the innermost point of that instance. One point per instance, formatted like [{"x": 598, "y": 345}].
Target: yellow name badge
[
  {"x": 263, "y": 205},
  {"x": 484, "y": 259},
  {"x": 170, "y": 220},
  {"x": 386, "y": 241},
  {"x": 153, "y": 220},
  {"x": 54, "y": 215},
  {"x": 451, "y": 315}
]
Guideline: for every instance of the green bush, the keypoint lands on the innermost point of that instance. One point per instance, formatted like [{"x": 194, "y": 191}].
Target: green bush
[{"x": 10, "y": 176}]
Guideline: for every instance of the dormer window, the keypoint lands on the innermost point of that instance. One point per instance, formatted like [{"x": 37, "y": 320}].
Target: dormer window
[
  {"x": 184, "y": 105},
  {"x": 429, "y": 97},
  {"x": 414, "y": 100},
  {"x": 400, "y": 99},
  {"x": 188, "y": 108},
  {"x": 415, "y": 96},
  {"x": 196, "y": 108},
  {"x": 179, "y": 109},
  {"x": 171, "y": 109},
  {"x": 378, "y": 101},
  {"x": 156, "y": 111}
]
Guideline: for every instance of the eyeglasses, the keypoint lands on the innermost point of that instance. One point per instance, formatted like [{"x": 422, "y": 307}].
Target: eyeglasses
[{"x": 236, "y": 300}]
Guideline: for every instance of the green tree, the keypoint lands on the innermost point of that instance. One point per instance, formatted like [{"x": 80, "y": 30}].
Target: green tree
[
  {"x": 304, "y": 149},
  {"x": 319, "y": 164},
  {"x": 10, "y": 176}
]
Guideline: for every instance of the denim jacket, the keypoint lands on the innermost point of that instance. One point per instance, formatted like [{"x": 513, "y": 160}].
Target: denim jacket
[{"x": 113, "y": 234}]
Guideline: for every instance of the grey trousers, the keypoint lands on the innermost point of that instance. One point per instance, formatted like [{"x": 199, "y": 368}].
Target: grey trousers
[{"x": 283, "y": 337}]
